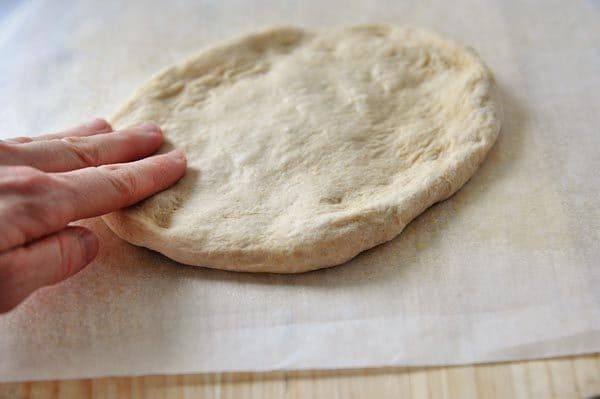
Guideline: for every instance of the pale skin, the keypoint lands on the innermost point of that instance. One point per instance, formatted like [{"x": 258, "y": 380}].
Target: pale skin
[{"x": 49, "y": 181}]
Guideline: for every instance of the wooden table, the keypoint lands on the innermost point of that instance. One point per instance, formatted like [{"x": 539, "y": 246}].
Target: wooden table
[{"x": 569, "y": 377}]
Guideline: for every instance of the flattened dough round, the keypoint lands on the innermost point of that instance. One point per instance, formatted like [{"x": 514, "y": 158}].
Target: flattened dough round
[{"x": 307, "y": 147}]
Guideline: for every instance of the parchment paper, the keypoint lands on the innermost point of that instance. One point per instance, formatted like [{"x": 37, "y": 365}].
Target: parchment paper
[{"x": 506, "y": 269}]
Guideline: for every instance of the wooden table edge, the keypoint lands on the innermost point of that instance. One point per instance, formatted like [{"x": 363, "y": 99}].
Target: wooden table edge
[{"x": 564, "y": 377}]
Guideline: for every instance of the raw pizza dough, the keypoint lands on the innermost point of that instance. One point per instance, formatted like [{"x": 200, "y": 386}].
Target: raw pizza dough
[{"x": 307, "y": 147}]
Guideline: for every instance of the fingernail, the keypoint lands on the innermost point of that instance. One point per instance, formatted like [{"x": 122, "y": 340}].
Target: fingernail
[
  {"x": 178, "y": 155},
  {"x": 150, "y": 127},
  {"x": 89, "y": 243},
  {"x": 99, "y": 125}
]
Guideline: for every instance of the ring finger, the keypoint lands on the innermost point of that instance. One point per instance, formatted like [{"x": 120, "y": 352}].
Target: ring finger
[
  {"x": 76, "y": 152},
  {"x": 95, "y": 126}
]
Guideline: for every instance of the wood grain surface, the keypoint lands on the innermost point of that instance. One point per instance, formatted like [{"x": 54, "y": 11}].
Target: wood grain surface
[{"x": 570, "y": 377}]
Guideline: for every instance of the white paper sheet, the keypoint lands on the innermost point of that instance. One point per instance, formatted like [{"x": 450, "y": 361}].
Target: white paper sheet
[{"x": 506, "y": 269}]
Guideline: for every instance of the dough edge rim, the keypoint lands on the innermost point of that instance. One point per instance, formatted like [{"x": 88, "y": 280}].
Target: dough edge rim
[{"x": 295, "y": 259}]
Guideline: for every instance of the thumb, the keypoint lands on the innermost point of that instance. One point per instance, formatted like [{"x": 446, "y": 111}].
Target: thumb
[{"x": 46, "y": 261}]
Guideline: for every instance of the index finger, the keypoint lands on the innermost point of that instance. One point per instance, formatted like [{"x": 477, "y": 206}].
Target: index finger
[
  {"x": 93, "y": 192},
  {"x": 38, "y": 204}
]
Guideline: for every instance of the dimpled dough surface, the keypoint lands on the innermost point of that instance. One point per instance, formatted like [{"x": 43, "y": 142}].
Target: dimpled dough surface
[{"x": 307, "y": 147}]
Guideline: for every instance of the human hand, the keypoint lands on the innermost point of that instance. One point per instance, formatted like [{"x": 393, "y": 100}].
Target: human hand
[{"x": 46, "y": 182}]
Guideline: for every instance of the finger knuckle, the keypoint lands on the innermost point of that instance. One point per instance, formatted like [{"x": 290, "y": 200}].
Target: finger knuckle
[
  {"x": 86, "y": 155},
  {"x": 29, "y": 202},
  {"x": 7, "y": 149},
  {"x": 10, "y": 145},
  {"x": 25, "y": 179},
  {"x": 125, "y": 182},
  {"x": 22, "y": 140},
  {"x": 36, "y": 212}
]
